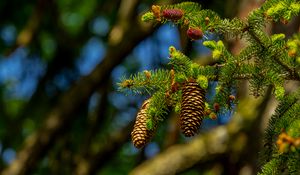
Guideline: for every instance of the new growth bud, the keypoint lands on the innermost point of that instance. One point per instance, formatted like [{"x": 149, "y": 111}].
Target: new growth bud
[
  {"x": 216, "y": 107},
  {"x": 213, "y": 116},
  {"x": 202, "y": 81},
  {"x": 156, "y": 11},
  {"x": 231, "y": 97},
  {"x": 148, "y": 17},
  {"x": 206, "y": 20},
  {"x": 216, "y": 54},
  {"x": 127, "y": 83},
  {"x": 147, "y": 74}
]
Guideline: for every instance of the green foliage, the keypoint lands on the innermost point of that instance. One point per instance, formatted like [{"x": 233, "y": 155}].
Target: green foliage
[
  {"x": 158, "y": 106},
  {"x": 277, "y": 9},
  {"x": 202, "y": 81},
  {"x": 145, "y": 82},
  {"x": 265, "y": 61},
  {"x": 293, "y": 129},
  {"x": 271, "y": 168},
  {"x": 149, "y": 16},
  {"x": 286, "y": 117},
  {"x": 230, "y": 28}
]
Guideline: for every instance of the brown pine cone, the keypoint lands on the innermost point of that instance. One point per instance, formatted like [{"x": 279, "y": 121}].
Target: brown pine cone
[
  {"x": 192, "y": 108},
  {"x": 141, "y": 135}
]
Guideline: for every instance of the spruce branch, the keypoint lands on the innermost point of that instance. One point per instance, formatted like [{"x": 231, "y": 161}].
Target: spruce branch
[
  {"x": 271, "y": 167},
  {"x": 287, "y": 111},
  {"x": 281, "y": 10},
  {"x": 267, "y": 61},
  {"x": 145, "y": 82},
  {"x": 274, "y": 55}
]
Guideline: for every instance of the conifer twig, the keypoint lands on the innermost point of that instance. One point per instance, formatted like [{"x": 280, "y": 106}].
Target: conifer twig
[{"x": 286, "y": 67}]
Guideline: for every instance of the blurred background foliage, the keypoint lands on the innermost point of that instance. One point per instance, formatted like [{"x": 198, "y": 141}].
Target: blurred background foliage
[{"x": 60, "y": 62}]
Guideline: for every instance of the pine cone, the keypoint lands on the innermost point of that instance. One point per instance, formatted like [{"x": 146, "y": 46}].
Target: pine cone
[
  {"x": 192, "y": 108},
  {"x": 141, "y": 135},
  {"x": 172, "y": 14},
  {"x": 194, "y": 33}
]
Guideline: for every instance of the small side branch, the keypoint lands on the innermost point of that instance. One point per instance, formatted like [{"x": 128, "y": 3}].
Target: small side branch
[{"x": 292, "y": 72}]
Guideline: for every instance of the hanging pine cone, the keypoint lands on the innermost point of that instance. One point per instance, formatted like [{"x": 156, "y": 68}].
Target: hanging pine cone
[
  {"x": 192, "y": 108},
  {"x": 141, "y": 135}
]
